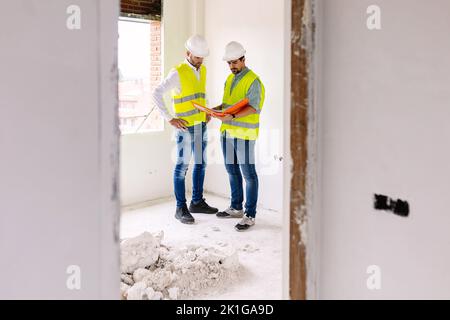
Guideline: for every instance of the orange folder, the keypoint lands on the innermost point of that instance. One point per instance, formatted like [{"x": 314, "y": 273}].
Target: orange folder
[{"x": 231, "y": 110}]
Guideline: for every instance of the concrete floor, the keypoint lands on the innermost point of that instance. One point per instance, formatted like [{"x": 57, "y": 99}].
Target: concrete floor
[{"x": 259, "y": 248}]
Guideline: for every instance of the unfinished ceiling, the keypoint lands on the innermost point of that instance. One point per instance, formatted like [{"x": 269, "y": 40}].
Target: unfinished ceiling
[{"x": 150, "y": 9}]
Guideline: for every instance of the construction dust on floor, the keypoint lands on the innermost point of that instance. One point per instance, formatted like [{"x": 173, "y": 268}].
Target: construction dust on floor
[{"x": 164, "y": 259}]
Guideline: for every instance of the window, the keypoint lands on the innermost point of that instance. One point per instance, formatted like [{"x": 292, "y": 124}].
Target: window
[{"x": 139, "y": 62}]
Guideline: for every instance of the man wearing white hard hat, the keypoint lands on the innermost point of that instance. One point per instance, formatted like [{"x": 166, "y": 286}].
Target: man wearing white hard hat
[
  {"x": 187, "y": 84},
  {"x": 239, "y": 133}
]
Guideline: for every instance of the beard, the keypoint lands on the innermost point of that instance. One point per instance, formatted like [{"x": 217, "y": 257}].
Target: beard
[{"x": 197, "y": 65}]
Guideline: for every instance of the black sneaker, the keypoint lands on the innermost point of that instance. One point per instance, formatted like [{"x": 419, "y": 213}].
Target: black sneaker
[
  {"x": 184, "y": 215},
  {"x": 245, "y": 223},
  {"x": 202, "y": 207}
]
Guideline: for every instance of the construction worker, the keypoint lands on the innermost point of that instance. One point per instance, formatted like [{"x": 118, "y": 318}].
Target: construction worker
[
  {"x": 238, "y": 135},
  {"x": 187, "y": 83}
]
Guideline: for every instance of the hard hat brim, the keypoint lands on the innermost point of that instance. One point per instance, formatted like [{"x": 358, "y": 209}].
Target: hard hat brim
[
  {"x": 200, "y": 54},
  {"x": 235, "y": 57}
]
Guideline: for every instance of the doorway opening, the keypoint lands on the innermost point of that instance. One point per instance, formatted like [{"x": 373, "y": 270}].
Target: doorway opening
[{"x": 162, "y": 258}]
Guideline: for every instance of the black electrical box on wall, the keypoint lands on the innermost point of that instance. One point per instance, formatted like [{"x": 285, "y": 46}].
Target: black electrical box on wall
[{"x": 398, "y": 207}]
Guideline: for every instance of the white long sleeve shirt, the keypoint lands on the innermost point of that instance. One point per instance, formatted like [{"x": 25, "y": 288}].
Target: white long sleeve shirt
[{"x": 171, "y": 82}]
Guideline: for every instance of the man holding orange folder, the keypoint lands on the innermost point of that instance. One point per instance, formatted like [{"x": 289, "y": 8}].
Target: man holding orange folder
[
  {"x": 239, "y": 131},
  {"x": 234, "y": 109}
]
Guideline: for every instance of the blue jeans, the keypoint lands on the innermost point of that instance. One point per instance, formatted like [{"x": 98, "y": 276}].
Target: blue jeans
[
  {"x": 190, "y": 142},
  {"x": 239, "y": 155}
]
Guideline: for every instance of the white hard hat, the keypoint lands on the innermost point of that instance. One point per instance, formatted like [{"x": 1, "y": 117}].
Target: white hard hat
[
  {"x": 233, "y": 51},
  {"x": 198, "y": 46}
]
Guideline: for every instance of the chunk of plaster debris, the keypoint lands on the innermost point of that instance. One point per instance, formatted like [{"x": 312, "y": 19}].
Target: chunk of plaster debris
[
  {"x": 139, "y": 252},
  {"x": 173, "y": 293},
  {"x": 137, "y": 292}
]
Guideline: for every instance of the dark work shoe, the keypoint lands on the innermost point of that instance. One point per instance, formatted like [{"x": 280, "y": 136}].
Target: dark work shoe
[
  {"x": 202, "y": 207},
  {"x": 230, "y": 213},
  {"x": 245, "y": 223},
  {"x": 184, "y": 215}
]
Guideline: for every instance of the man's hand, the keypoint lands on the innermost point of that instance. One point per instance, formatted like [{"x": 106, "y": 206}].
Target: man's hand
[
  {"x": 227, "y": 117},
  {"x": 208, "y": 118},
  {"x": 179, "y": 123}
]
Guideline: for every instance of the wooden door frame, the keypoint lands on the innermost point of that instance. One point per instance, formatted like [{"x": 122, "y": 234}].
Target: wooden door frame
[{"x": 301, "y": 105}]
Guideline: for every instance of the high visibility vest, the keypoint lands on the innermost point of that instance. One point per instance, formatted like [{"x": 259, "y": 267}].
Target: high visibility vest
[
  {"x": 246, "y": 128},
  {"x": 192, "y": 90}
]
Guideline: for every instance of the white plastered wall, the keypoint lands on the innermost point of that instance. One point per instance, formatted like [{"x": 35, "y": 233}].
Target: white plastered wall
[
  {"x": 384, "y": 129},
  {"x": 59, "y": 147}
]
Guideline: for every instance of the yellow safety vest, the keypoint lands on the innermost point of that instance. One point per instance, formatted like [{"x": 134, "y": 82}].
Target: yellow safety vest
[
  {"x": 246, "y": 128},
  {"x": 192, "y": 90}
]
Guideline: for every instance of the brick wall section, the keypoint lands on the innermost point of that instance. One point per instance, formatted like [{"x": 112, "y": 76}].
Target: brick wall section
[
  {"x": 143, "y": 7},
  {"x": 155, "y": 62}
]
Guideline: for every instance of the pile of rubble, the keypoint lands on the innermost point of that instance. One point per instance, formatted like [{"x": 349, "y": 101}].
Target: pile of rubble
[{"x": 152, "y": 271}]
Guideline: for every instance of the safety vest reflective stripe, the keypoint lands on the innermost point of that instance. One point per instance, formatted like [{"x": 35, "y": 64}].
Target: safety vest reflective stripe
[
  {"x": 242, "y": 124},
  {"x": 187, "y": 114},
  {"x": 189, "y": 98}
]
